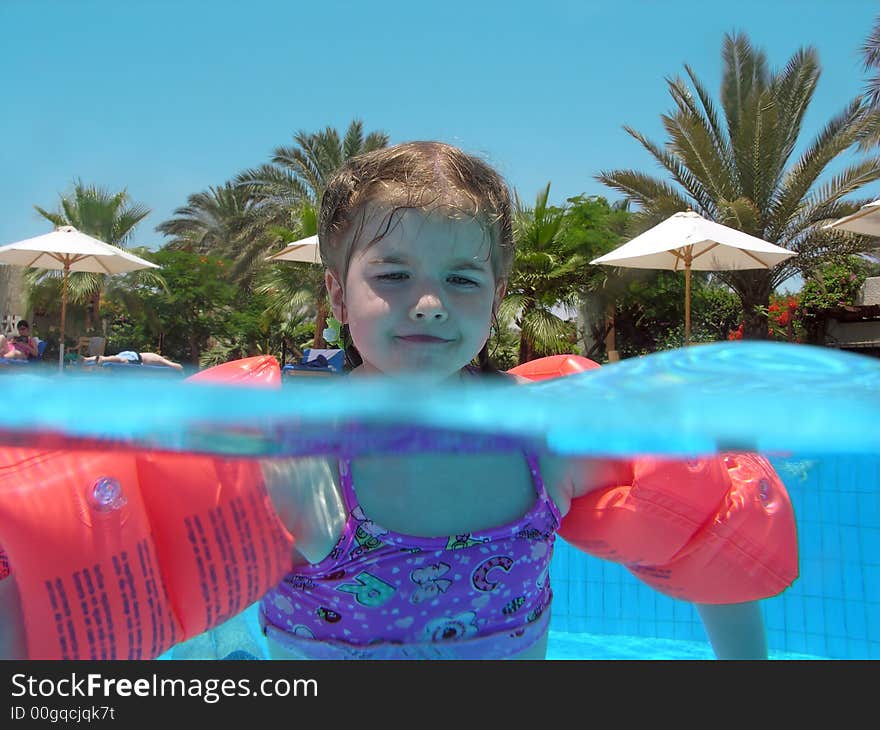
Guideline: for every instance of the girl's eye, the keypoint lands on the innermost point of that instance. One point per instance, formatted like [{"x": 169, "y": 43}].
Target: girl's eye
[
  {"x": 462, "y": 281},
  {"x": 393, "y": 276}
]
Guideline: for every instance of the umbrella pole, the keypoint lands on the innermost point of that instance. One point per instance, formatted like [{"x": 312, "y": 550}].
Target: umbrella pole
[
  {"x": 687, "y": 302},
  {"x": 63, "y": 316}
]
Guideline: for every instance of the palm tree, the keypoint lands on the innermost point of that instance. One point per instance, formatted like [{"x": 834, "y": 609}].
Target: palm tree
[
  {"x": 738, "y": 173},
  {"x": 300, "y": 172},
  {"x": 293, "y": 288},
  {"x": 110, "y": 217},
  {"x": 288, "y": 191},
  {"x": 211, "y": 221},
  {"x": 546, "y": 272},
  {"x": 265, "y": 207},
  {"x": 297, "y": 176}
]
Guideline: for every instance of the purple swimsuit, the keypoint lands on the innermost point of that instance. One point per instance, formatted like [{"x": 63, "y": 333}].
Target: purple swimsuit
[{"x": 384, "y": 595}]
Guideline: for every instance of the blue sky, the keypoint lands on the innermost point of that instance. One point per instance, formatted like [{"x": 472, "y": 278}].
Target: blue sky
[{"x": 165, "y": 99}]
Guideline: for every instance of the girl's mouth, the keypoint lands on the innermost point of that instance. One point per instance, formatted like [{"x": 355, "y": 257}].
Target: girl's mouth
[{"x": 423, "y": 338}]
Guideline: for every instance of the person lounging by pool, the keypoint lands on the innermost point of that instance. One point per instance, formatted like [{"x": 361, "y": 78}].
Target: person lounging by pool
[
  {"x": 20, "y": 347},
  {"x": 130, "y": 357}
]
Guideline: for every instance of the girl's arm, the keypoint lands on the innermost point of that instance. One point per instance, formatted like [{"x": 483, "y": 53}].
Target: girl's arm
[
  {"x": 13, "y": 641},
  {"x": 306, "y": 496},
  {"x": 568, "y": 478},
  {"x": 735, "y": 630}
]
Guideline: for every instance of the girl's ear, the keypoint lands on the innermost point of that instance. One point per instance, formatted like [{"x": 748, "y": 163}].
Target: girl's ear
[
  {"x": 337, "y": 299},
  {"x": 500, "y": 291}
]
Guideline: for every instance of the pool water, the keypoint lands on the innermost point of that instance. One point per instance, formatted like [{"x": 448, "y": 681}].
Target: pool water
[
  {"x": 240, "y": 638},
  {"x": 568, "y": 646},
  {"x": 832, "y": 610},
  {"x": 600, "y": 611}
]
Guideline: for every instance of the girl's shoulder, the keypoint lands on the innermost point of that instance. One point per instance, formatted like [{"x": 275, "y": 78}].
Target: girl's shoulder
[{"x": 498, "y": 375}]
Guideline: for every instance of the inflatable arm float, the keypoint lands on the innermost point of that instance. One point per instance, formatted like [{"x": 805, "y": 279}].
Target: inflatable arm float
[
  {"x": 719, "y": 529},
  {"x": 122, "y": 555}
]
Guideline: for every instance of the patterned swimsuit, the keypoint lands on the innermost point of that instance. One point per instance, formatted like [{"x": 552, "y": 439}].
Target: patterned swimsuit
[{"x": 380, "y": 594}]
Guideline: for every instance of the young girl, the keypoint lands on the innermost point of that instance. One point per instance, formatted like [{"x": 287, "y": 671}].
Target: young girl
[{"x": 428, "y": 555}]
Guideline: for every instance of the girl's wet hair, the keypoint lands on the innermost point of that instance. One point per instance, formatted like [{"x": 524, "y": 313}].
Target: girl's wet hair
[{"x": 425, "y": 176}]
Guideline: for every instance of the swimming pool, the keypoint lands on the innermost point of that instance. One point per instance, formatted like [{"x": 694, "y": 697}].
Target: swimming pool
[{"x": 600, "y": 611}]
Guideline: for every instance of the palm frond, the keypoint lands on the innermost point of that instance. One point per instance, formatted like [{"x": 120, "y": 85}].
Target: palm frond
[
  {"x": 354, "y": 139},
  {"x": 544, "y": 330},
  {"x": 840, "y": 133},
  {"x": 681, "y": 173},
  {"x": 657, "y": 198},
  {"x": 794, "y": 89},
  {"x": 698, "y": 143},
  {"x": 744, "y": 69}
]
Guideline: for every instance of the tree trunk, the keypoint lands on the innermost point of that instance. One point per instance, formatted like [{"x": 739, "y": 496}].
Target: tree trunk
[
  {"x": 93, "y": 312},
  {"x": 753, "y": 288},
  {"x": 193, "y": 347},
  {"x": 526, "y": 349}
]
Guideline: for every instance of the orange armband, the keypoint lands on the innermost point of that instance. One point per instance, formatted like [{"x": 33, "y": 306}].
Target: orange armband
[
  {"x": 121, "y": 556},
  {"x": 713, "y": 530}
]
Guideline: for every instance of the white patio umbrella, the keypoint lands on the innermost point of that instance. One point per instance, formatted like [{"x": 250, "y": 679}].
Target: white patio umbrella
[
  {"x": 686, "y": 241},
  {"x": 866, "y": 220},
  {"x": 305, "y": 251},
  {"x": 66, "y": 249}
]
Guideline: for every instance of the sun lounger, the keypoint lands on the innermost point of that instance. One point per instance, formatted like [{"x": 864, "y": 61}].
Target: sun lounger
[{"x": 317, "y": 363}]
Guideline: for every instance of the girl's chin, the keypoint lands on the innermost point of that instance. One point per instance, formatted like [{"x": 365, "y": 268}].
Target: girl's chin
[
  {"x": 414, "y": 374},
  {"x": 425, "y": 376}
]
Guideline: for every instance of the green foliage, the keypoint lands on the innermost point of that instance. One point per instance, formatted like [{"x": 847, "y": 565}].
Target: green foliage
[
  {"x": 552, "y": 270},
  {"x": 832, "y": 286},
  {"x": 836, "y": 284},
  {"x": 199, "y": 303},
  {"x": 504, "y": 344},
  {"x": 211, "y": 221},
  {"x": 650, "y": 316},
  {"x": 110, "y": 217},
  {"x": 126, "y": 331},
  {"x": 785, "y": 320},
  {"x": 715, "y": 311},
  {"x": 593, "y": 227},
  {"x": 221, "y": 351}
]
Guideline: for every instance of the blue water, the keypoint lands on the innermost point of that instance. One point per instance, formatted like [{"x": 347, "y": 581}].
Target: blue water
[
  {"x": 764, "y": 397},
  {"x": 832, "y": 610},
  {"x": 817, "y": 405},
  {"x": 600, "y": 611},
  {"x": 568, "y": 646},
  {"x": 240, "y": 638}
]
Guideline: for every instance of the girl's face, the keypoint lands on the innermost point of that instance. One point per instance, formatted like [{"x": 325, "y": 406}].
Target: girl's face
[{"x": 418, "y": 302}]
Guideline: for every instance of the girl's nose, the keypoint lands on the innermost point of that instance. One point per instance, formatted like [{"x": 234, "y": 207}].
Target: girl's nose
[{"x": 428, "y": 308}]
